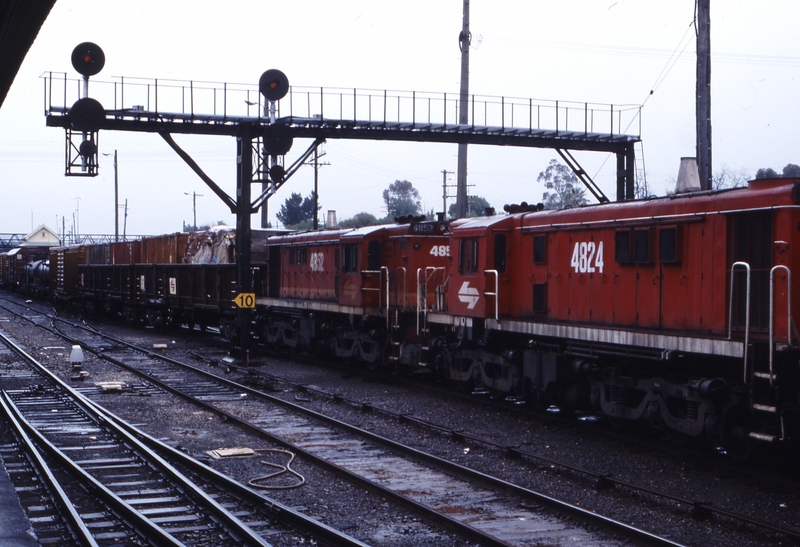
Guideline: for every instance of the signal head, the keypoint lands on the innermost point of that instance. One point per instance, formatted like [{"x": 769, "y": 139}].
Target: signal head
[
  {"x": 277, "y": 139},
  {"x": 87, "y": 149},
  {"x": 273, "y": 84},
  {"x": 88, "y": 59},
  {"x": 277, "y": 173},
  {"x": 86, "y": 114}
]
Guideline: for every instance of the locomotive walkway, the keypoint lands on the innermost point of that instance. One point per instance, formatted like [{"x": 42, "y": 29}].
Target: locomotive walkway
[{"x": 172, "y": 106}]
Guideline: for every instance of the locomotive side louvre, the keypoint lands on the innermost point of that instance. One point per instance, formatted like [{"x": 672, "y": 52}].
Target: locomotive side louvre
[{"x": 305, "y": 266}]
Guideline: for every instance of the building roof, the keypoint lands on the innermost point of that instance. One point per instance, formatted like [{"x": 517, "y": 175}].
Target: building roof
[
  {"x": 20, "y": 21},
  {"x": 41, "y": 237}
]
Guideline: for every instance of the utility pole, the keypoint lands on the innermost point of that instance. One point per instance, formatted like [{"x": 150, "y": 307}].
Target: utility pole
[
  {"x": 316, "y": 164},
  {"x": 194, "y": 195},
  {"x": 116, "y": 197},
  {"x": 703, "y": 107},
  {"x": 445, "y": 172},
  {"x": 77, "y": 223},
  {"x": 125, "y": 222},
  {"x": 464, "y": 40}
]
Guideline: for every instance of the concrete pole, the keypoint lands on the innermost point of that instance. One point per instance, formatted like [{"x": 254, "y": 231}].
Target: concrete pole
[{"x": 464, "y": 39}]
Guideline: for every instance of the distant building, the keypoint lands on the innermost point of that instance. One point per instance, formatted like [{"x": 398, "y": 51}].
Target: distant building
[{"x": 41, "y": 237}]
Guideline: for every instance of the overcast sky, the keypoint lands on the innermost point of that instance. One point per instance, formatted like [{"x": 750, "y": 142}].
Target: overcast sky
[{"x": 571, "y": 50}]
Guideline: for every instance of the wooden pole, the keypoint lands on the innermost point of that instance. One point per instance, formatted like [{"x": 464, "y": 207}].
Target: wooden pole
[{"x": 703, "y": 109}]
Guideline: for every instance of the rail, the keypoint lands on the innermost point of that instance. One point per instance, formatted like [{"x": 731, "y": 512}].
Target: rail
[
  {"x": 746, "y": 266},
  {"x": 494, "y": 294},
  {"x": 226, "y": 103},
  {"x": 772, "y": 316}
]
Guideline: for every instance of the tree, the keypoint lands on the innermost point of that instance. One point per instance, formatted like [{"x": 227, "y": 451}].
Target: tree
[
  {"x": 402, "y": 199},
  {"x": 566, "y": 188},
  {"x": 295, "y": 210},
  {"x": 476, "y": 207},
  {"x": 766, "y": 173},
  {"x": 791, "y": 170},
  {"x": 361, "y": 219},
  {"x": 725, "y": 178}
]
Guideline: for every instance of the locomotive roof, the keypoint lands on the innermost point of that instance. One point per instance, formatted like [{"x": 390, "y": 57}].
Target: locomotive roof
[
  {"x": 364, "y": 231},
  {"x": 760, "y": 194},
  {"x": 481, "y": 223}
]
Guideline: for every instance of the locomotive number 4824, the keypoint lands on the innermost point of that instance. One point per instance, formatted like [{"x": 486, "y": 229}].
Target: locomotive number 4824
[{"x": 587, "y": 257}]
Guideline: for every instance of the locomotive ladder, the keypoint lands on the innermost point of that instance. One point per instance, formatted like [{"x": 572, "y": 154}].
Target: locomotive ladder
[{"x": 764, "y": 393}]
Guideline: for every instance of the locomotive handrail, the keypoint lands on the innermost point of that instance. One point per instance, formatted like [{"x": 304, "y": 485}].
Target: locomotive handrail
[
  {"x": 385, "y": 270},
  {"x": 422, "y": 294},
  {"x": 419, "y": 297},
  {"x": 771, "y": 315},
  {"x": 405, "y": 288},
  {"x": 380, "y": 288},
  {"x": 746, "y": 266},
  {"x": 496, "y": 290}
]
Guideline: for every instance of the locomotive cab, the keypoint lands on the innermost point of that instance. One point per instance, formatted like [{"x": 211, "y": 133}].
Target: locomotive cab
[{"x": 486, "y": 253}]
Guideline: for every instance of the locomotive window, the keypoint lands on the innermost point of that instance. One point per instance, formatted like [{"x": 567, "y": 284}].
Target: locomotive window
[
  {"x": 540, "y": 298},
  {"x": 468, "y": 256},
  {"x": 374, "y": 255},
  {"x": 350, "y": 259},
  {"x": 641, "y": 246},
  {"x": 302, "y": 256},
  {"x": 540, "y": 249},
  {"x": 500, "y": 253},
  {"x": 622, "y": 246},
  {"x": 668, "y": 245},
  {"x": 292, "y": 257}
]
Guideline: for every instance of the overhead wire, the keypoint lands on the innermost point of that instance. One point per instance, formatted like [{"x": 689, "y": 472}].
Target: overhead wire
[{"x": 668, "y": 66}]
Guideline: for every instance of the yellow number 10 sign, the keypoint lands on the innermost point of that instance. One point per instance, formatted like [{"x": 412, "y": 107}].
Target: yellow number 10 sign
[{"x": 245, "y": 300}]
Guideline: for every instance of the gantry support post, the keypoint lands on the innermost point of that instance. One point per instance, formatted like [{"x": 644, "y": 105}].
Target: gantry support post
[
  {"x": 626, "y": 173},
  {"x": 244, "y": 281}
]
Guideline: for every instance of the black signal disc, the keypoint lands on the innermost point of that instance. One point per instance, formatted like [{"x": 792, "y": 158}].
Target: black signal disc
[
  {"x": 88, "y": 59},
  {"x": 273, "y": 84},
  {"x": 87, "y": 114},
  {"x": 277, "y": 139}
]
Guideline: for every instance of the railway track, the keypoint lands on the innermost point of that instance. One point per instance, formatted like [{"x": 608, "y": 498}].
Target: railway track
[
  {"x": 110, "y": 482},
  {"x": 476, "y": 506},
  {"x": 232, "y": 403}
]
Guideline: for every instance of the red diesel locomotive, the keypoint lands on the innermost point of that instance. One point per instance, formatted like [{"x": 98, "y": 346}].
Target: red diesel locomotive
[{"x": 676, "y": 311}]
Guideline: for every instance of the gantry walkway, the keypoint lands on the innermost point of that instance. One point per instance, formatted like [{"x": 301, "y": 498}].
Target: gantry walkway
[{"x": 171, "y": 106}]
